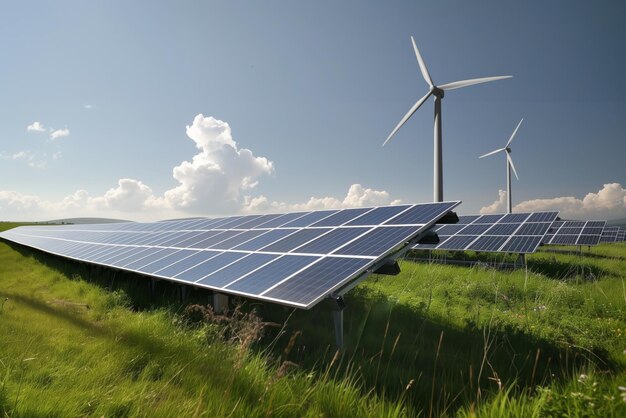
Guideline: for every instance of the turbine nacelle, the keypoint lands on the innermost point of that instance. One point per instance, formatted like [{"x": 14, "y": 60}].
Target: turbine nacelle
[{"x": 437, "y": 92}]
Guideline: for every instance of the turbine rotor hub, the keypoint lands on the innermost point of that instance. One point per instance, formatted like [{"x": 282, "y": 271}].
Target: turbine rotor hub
[{"x": 436, "y": 91}]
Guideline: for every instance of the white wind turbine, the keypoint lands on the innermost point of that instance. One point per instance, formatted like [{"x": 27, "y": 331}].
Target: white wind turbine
[
  {"x": 437, "y": 92},
  {"x": 509, "y": 166}
]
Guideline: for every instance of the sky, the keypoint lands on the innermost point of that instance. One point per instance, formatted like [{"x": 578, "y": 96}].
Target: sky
[{"x": 153, "y": 110}]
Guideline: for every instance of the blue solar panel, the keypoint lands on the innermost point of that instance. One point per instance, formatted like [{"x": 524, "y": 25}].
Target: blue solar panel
[
  {"x": 265, "y": 239},
  {"x": 156, "y": 254},
  {"x": 232, "y": 272},
  {"x": 575, "y": 233},
  {"x": 378, "y": 215},
  {"x": 318, "y": 279},
  {"x": 306, "y": 255},
  {"x": 379, "y": 241},
  {"x": 514, "y": 232},
  {"x": 209, "y": 266},
  {"x": 341, "y": 217},
  {"x": 308, "y": 219},
  {"x": 295, "y": 240},
  {"x": 329, "y": 242},
  {"x": 272, "y": 273}
]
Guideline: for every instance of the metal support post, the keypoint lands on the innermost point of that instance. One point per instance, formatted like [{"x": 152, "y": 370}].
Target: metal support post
[
  {"x": 338, "y": 319},
  {"x": 220, "y": 303}
]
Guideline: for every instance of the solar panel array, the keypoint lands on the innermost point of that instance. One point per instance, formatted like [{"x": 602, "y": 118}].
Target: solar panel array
[
  {"x": 621, "y": 235},
  {"x": 574, "y": 233},
  {"x": 519, "y": 233},
  {"x": 294, "y": 259},
  {"x": 609, "y": 234}
]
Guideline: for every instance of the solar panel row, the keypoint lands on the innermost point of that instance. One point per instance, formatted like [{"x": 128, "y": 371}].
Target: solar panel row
[
  {"x": 609, "y": 234},
  {"x": 295, "y": 259},
  {"x": 574, "y": 233},
  {"x": 511, "y": 233}
]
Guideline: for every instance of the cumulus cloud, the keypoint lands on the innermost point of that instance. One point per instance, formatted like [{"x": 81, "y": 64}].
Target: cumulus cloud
[
  {"x": 608, "y": 203},
  {"x": 499, "y": 206},
  {"x": 355, "y": 197},
  {"x": 35, "y": 127},
  {"x": 216, "y": 178},
  {"x": 219, "y": 179},
  {"x": 129, "y": 196},
  {"x": 58, "y": 133}
]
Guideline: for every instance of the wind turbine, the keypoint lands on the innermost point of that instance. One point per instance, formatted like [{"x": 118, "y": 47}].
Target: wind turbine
[
  {"x": 509, "y": 165},
  {"x": 437, "y": 92}
]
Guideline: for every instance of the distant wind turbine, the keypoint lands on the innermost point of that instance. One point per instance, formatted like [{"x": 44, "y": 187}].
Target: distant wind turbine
[
  {"x": 509, "y": 166},
  {"x": 437, "y": 92}
]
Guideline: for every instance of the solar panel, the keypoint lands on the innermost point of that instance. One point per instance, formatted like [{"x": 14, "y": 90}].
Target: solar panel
[
  {"x": 621, "y": 235},
  {"x": 519, "y": 233},
  {"x": 574, "y": 233},
  {"x": 609, "y": 234},
  {"x": 295, "y": 259}
]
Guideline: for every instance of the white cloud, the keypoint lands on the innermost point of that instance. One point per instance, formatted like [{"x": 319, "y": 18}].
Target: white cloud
[
  {"x": 58, "y": 133},
  {"x": 35, "y": 127},
  {"x": 87, "y": 106},
  {"x": 57, "y": 155},
  {"x": 216, "y": 178},
  {"x": 23, "y": 155},
  {"x": 129, "y": 196},
  {"x": 356, "y": 196},
  {"x": 28, "y": 157},
  {"x": 12, "y": 201},
  {"x": 499, "y": 206},
  {"x": 219, "y": 179},
  {"x": 608, "y": 203}
]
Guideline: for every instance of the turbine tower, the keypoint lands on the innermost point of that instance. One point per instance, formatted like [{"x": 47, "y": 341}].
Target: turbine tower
[
  {"x": 509, "y": 166},
  {"x": 437, "y": 92}
]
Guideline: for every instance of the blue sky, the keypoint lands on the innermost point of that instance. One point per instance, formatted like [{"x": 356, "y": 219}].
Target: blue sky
[{"x": 309, "y": 92}]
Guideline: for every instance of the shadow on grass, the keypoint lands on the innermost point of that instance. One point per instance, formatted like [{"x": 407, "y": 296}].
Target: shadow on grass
[
  {"x": 554, "y": 269},
  {"x": 394, "y": 349},
  {"x": 393, "y": 346}
]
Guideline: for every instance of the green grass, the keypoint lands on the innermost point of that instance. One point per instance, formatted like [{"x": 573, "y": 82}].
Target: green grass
[{"x": 434, "y": 340}]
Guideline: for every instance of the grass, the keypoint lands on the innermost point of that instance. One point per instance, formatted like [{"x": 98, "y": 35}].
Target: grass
[{"x": 435, "y": 340}]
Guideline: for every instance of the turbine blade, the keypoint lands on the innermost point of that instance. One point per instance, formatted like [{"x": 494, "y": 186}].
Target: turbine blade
[
  {"x": 492, "y": 152},
  {"x": 422, "y": 64},
  {"x": 508, "y": 157},
  {"x": 466, "y": 83},
  {"x": 407, "y": 116},
  {"x": 514, "y": 132}
]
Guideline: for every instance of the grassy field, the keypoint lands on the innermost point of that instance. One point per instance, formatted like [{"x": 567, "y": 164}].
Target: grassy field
[{"x": 436, "y": 340}]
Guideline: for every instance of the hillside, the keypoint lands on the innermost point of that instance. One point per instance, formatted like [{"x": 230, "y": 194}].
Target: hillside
[{"x": 435, "y": 340}]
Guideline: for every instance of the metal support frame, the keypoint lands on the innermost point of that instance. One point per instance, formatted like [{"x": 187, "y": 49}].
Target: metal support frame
[
  {"x": 338, "y": 308},
  {"x": 220, "y": 302},
  {"x": 183, "y": 293},
  {"x": 337, "y": 296},
  {"x": 520, "y": 262}
]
